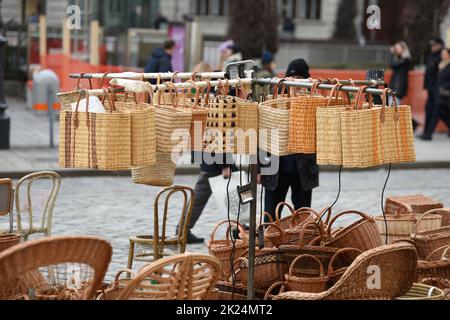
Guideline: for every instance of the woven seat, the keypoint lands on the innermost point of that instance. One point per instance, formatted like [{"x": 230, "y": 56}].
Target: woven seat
[
  {"x": 180, "y": 277},
  {"x": 397, "y": 265},
  {"x": 166, "y": 245},
  {"x": 72, "y": 264}
]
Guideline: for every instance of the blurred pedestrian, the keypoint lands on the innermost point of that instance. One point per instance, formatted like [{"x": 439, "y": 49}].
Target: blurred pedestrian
[
  {"x": 401, "y": 65},
  {"x": 431, "y": 76},
  {"x": 161, "y": 59},
  {"x": 298, "y": 172},
  {"x": 267, "y": 70},
  {"x": 235, "y": 56},
  {"x": 442, "y": 93},
  {"x": 160, "y": 22}
]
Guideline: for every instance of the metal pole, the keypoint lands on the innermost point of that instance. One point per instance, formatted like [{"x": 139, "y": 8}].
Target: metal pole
[
  {"x": 162, "y": 76},
  {"x": 5, "y": 121},
  {"x": 50, "y": 102}
]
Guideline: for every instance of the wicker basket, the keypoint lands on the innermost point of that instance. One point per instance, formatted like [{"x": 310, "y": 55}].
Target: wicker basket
[
  {"x": 362, "y": 234},
  {"x": 223, "y": 249},
  {"x": 115, "y": 289},
  {"x": 161, "y": 174},
  {"x": 418, "y": 203},
  {"x": 428, "y": 241},
  {"x": 8, "y": 241},
  {"x": 335, "y": 274},
  {"x": 329, "y": 132},
  {"x": 95, "y": 140},
  {"x": 423, "y": 292},
  {"x": 306, "y": 282},
  {"x": 361, "y": 135},
  {"x": 282, "y": 287},
  {"x": 269, "y": 268},
  {"x": 436, "y": 268},
  {"x": 400, "y": 226}
]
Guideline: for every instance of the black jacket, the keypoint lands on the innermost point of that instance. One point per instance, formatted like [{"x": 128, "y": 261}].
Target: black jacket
[
  {"x": 443, "y": 86},
  {"x": 432, "y": 70},
  {"x": 160, "y": 61},
  {"x": 308, "y": 172},
  {"x": 399, "y": 80}
]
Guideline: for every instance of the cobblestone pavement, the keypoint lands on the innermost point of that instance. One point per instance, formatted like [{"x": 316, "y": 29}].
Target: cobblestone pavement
[{"x": 114, "y": 208}]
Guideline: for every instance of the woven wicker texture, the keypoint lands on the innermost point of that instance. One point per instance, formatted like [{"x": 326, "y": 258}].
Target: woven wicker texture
[
  {"x": 334, "y": 274},
  {"x": 421, "y": 292},
  {"x": 436, "y": 268},
  {"x": 397, "y": 134},
  {"x": 9, "y": 240},
  {"x": 309, "y": 283},
  {"x": 361, "y": 135},
  {"x": 401, "y": 225},
  {"x": 30, "y": 256},
  {"x": 223, "y": 249},
  {"x": 397, "y": 265},
  {"x": 362, "y": 234},
  {"x": 429, "y": 241},
  {"x": 113, "y": 291},
  {"x": 156, "y": 243},
  {"x": 95, "y": 140},
  {"x": 419, "y": 204},
  {"x": 329, "y": 132},
  {"x": 160, "y": 174},
  {"x": 182, "y": 277}
]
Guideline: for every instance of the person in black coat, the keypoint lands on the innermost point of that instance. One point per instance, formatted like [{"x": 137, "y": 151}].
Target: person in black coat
[
  {"x": 298, "y": 172},
  {"x": 431, "y": 76},
  {"x": 401, "y": 65},
  {"x": 442, "y": 92},
  {"x": 161, "y": 59}
]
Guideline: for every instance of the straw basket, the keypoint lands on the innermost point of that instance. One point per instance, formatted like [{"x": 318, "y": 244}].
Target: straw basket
[
  {"x": 423, "y": 292},
  {"x": 116, "y": 288},
  {"x": 436, "y": 268},
  {"x": 429, "y": 241},
  {"x": 223, "y": 249},
  {"x": 315, "y": 283},
  {"x": 362, "y": 234},
  {"x": 271, "y": 293},
  {"x": 160, "y": 174},
  {"x": 329, "y": 132},
  {"x": 418, "y": 203},
  {"x": 400, "y": 226},
  {"x": 9, "y": 240},
  {"x": 269, "y": 268},
  {"x": 302, "y": 124},
  {"x": 397, "y": 134},
  {"x": 361, "y": 135},
  {"x": 95, "y": 140}
]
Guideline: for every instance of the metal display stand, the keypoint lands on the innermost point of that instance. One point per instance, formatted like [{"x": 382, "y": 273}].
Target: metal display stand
[{"x": 325, "y": 84}]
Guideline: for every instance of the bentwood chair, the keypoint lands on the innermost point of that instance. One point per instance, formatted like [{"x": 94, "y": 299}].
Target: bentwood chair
[
  {"x": 153, "y": 247},
  {"x": 31, "y": 218},
  {"x": 79, "y": 265},
  {"x": 180, "y": 277},
  {"x": 383, "y": 273},
  {"x": 6, "y": 198}
]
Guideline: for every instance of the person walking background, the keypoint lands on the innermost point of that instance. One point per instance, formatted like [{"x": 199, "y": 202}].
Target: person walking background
[
  {"x": 431, "y": 76},
  {"x": 442, "y": 92},
  {"x": 267, "y": 70},
  {"x": 161, "y": 59},
  {"x": 400, "y": 65},
  {"x": 298, "y": 172}
]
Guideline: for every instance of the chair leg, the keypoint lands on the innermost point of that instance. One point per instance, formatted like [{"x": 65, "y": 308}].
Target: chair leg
[{"x": 131, "y": 255}]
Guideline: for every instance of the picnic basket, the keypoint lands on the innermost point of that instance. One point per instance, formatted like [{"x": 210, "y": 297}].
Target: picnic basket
[
  {"x": 310, "y": 283},
  {"x": 362, "y": 234}
]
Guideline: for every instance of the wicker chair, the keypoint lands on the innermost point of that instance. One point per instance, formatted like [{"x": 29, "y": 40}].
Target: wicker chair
[
  {"x": 45, "y": 224},
  {"x": 77, "y": 264},
  {"x": 159, "y": 239},
  {"x": 6, "y": 199},
  {"x": 397, "y": 265},
  {"x": 180, "y": 277}
]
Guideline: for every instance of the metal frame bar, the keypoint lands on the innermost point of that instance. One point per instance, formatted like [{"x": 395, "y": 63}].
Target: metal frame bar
[{"x": 138, "y": 76}]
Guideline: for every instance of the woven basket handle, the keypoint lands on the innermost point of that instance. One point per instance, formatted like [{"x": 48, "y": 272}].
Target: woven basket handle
[
  {"x": 231, "y": 223},
  {"x": 102, "y": 81},
  {"x": 276, "y": 88},
  {"x": 402, "y": 207},
  {"x": 301, "y": 242},
  {"x": 306, "y": 256},
  {"x": 418, "y": 221},
  {"x": 207, "y": 93},
  {"x": 336, "y": 255},
  {"x": 197, "y": 94},
  {"x": 281, "y": 284},
  {"x": 363, "y": 216},
  {"x": 82, "y": 93},
  {"x": 301, "y": 212},
  {"x": 111, "y": 101},
  {"x": 388, "y": 92},
  {"x": 279, "y": 208},
  {"x": 119, "y": 274},
  {"x": 333, "y": 94},
  {"x": 174, "y": 90},
  {"x": 269, "y": 217},
  {"x": 273, "y": 225},
  {"x": 444, "y": 256},
  {"x": 79, "y": 82}
]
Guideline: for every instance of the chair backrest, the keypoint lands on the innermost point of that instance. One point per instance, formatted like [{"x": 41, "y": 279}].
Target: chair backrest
[
  {"x": 6, "y": 196},
  {"x": 180, "y": 277},
  {"x": 69, "y": 252},
  {"x": 382, "y": 273},
  {"x": 26, "y": 214},
  {"x": 160, "y": 235}
]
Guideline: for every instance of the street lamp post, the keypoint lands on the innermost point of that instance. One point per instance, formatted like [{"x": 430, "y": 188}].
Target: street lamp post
[{"x": 5, "y": 121}]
